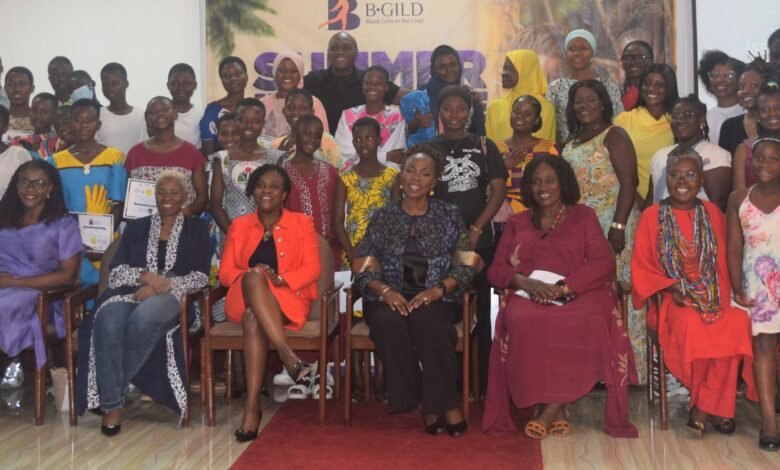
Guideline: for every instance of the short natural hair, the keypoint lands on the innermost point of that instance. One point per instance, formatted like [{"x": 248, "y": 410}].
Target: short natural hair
[
  {"x": 175, "y": 175},
  {"x": 679, "y": 153},
  {"x": 567, "y": 180},
  {"x": 114, "y": 67},
  {"x": 715, "y": 57},
  {"x": 255, "y": 176},
  {"x": 428, "y": 151}
]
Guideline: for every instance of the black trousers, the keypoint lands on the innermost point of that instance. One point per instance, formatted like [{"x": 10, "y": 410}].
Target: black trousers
[
  {"x": 425, "y": 338},
  {"x": 484, "y": 337}
]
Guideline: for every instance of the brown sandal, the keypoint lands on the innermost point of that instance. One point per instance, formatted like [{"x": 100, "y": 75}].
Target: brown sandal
[
  {"x": 696, "y": 428},
  {"x": 535, "y": 430},
  {"x": 724, "y": 425},
  {"x": 560, "y": 428}
]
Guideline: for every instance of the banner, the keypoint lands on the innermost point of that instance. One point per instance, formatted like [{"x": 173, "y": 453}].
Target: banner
[{"x": 400, "y": 35}]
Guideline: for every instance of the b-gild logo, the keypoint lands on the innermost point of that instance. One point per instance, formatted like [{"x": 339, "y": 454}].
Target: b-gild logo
[{"x": 340, "y": 16}]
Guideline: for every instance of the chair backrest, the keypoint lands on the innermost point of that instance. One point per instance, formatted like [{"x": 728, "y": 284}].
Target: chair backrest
[
  {"x": 105, "y": 265},
  {"x": 327, "y": 269}
]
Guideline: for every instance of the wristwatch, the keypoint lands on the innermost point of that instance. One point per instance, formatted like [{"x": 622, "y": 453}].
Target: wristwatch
[{"x": 441, "y": 285}]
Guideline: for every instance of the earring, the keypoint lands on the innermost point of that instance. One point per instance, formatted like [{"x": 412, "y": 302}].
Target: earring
[
  {"x": 401, "y": 186},
  {"x": 48, "y": 196},
  {"x": 430, "y": 193}
]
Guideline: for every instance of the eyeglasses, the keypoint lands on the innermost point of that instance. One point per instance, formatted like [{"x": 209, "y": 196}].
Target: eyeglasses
[
  {"x": 689, "y": 176},
  {"x": 686, "y": 116},
  {"x": 719, "y": 75},
  {"x": 635, "y": 57},
  {"x": 24, "y": 183}
]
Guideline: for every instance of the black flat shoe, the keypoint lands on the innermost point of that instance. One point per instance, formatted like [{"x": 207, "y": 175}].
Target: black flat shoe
[
  {"x": 110, "y": 430},
  {"x": 769, "y": 444},
  {"x": 725, "y": 426},
  {"x": 457, "y": 429},
  {"x": 435, "y": 427},
  {"x": 245, "y": 436}
]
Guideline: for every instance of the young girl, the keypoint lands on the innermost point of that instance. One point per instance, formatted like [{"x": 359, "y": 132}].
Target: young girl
[
  {"x": 754, "y": 266},
  {"x": 367, "y": 187},
  {"x": 232, "y": 73},
  {"x": 767, "y": 105},
  {"x": 148, "y": 159},
  {"x": 391, "y": 124},
  {"x": 93, "y": 175}
]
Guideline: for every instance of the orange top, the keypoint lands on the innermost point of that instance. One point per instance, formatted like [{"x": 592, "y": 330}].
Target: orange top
[{"x": 298, "y": 258}]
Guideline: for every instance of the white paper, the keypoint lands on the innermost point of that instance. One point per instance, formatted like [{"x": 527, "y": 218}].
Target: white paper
[
  {"x": 97, "y": 230},
  {"x": 139, "y": 199},
  {"x": 344, "y": 277},
  {"x": 543, "y": 276}
]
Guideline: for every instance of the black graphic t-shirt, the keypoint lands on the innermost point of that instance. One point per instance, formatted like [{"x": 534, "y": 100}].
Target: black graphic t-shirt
[{"x": 468, "y": 170}]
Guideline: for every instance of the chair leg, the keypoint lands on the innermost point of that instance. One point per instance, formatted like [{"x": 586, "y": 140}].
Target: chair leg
[
  {"x": 368, "y": 390},
  {"x": 337, "y": 368},
  {"x": 229, "y": 377},
  {"x": 662, "y": 393},
  {"x": 465, "y": 385},
  {"x": 40, "y": 394},
  {"x": 202, "y": 373},
  {"x": 207, "y": 387},
  {"x": 323, "y": 370},
  {"x": 71, "y": 388},
  {"x": 347, "y": 381},
  {"x": 650, "y": 377},
  {"x": 477, "y": 393}
]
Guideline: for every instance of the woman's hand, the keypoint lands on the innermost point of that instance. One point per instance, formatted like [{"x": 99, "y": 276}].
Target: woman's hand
[
  {"x": 677, "y": 294},
  {"x": 743, "y": 300},
  {"x": 144, "y": 293},
  {"x": 617, "y": 238},
  {"x": 425, "y": 297},
  {"x": 473, "y": 237},
  {"x": 419, "y": 121},
  {"x": 288, "y": 143},
  {"x": 272, "y": 275},
  {"x": 160, "y": 284},
  {"x": 540, "y": 292},
  {"x": 396, "y": 302}
]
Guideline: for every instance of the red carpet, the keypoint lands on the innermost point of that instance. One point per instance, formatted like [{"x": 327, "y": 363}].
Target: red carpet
[{"x": 377, "y": 440}]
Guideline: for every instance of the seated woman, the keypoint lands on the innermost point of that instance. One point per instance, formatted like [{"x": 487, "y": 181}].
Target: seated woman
[
  {"x": 680, "y": 253},
  {"x": 413, "y": 264},
  {"x": 555, "y": 339},
  {"x": 270, "y": 264},
  {"x": 136, "y": 320},
  {"x": 40, "y": 248}
]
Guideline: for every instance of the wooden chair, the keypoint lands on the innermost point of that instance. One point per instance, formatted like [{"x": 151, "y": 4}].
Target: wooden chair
[
  {"x": 356, "y": 337},
  {"x": 76, "y": 309},
  {"x": 653, "y": 345},
  {"x": 316, "y": 335}
]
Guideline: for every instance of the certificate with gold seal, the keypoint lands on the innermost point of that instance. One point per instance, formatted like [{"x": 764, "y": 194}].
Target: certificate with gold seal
[
  {"x": 139, "y": 200},
  {"x": 97, "y": 230}
]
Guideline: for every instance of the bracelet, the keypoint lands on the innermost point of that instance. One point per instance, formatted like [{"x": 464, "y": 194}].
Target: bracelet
[
  {"x": 441, "y": 285},
  {"x": 384, "y": 290},
  {"x": 618, "y": 226},
  {"x": 475, "y": 228}
]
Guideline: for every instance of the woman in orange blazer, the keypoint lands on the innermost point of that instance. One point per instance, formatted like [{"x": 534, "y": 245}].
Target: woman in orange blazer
[{"x": 270, "y": 264}]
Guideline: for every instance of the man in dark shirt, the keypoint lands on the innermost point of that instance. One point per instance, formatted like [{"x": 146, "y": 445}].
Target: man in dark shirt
[{"x": 340, "y": 86}]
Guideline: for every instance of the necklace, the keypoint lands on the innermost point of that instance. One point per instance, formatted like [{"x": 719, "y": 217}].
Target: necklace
[
  {"x": 561, "y": 213},
  {"x": 268, "y": 229}
]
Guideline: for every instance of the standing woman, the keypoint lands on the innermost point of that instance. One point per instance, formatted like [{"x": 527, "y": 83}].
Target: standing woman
[
  {"x": 649, "y": 124},
  {"x": 754, "y": 265},
  {"x": 689, "y": 126},
  {"x": 232, "y": 73},
  {"x": 604, "y": 163},
  {"x": 719, "y": 73},
  {"x": 420, "y": 108},
  {"x": 580, "y": 47},
  {"x": 288, "y": 71},
  {"x": 40, "y": 248},
  {"x": 522, "y": 146},
  {"x": 474, "y": 179},
  {"x": 637, "y": 55},
  {"x": 768, "y": 106},
  {"x": 165, "y": 151},
  {"x": 736, "y": 129},
  {"x": 521, "y": 75},
  {"x": 270, "y": 265}
]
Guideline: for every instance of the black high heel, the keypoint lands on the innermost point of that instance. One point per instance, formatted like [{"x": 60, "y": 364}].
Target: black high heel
[
  {"x": 110, "y": 430},
  {"x": 457, "y": 429},
  {"x": 246, "y": 436},
  {"x": 435, "y": 427}
]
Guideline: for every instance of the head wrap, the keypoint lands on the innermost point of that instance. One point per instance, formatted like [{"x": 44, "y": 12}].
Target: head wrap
[
  {"x": 295, "y": 58},
  {"x": 581, "y": 33}
]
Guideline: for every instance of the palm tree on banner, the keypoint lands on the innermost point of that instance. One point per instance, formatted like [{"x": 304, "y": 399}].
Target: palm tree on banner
[{"x": 226, "y": 17}]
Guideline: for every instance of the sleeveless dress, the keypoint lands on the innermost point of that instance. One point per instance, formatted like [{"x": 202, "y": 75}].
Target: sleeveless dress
[
  {"x": 761, "y": 264},
  {"x": 599, "y": 187}
]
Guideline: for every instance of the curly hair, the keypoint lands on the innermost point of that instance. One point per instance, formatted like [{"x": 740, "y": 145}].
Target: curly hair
[
  {"x": 672, "y": 94},
  {"x": 428, "y": 151},
  {"x": 607, "y": 111},
  {"x": 715, "y": 57},
  {"x": 567, "y": 180},
  {"x": 254, "y": 178},
  {"x": 700, "y": 108},
  {"x": 11, "y": 207}
]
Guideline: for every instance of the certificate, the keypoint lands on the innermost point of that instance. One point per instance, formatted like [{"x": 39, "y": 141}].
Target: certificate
[
  {"x": 139, "y": 200},
  {"x": 97, "y": 230}
]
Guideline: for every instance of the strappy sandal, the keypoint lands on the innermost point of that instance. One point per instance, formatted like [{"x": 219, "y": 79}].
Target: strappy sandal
[
  {"x": 535, "y": 430},
  {"x": 560, "y": 428},
  {"x": 302, "y": 374},
  {"x": 696, "y": 428},
  {"x": 724, "y": 426},
  {"x": 357, "y": 395}
]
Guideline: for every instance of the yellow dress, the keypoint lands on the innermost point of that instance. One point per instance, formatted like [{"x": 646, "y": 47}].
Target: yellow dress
[
  {"x": 648, "y": 136},
  {"x": 364, "y": 196}
]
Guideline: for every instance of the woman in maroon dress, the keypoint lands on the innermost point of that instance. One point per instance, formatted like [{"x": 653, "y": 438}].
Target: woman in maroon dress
[{"x": 555, "y": 340}]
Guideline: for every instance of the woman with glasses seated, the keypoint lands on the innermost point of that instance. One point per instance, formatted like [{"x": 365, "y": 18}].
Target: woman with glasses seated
[
  {"x": 680, "y": 254},
  {"x": 40, "y": 248}
]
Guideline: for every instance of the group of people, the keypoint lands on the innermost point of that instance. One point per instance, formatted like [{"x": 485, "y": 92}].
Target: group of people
[{"x": 553, "y": 195}]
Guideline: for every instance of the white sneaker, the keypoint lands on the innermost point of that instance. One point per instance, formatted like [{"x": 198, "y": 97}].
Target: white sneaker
[
  {"x": 14, "y": 376},
  {"x": 283, "y": 378}
]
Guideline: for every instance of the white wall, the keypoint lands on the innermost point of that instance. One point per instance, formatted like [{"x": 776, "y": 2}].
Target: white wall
[{"x": 146, "y": 36}]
